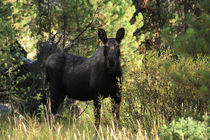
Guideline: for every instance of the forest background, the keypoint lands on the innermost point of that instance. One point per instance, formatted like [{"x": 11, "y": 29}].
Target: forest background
[{"x": 164, "y": 55}]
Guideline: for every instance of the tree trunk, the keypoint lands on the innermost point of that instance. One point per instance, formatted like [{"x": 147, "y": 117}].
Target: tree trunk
[
  {"x": 49, "y": 18},
  {"x": 185, "y": 14},
  {"x": 64, "y": 27}
]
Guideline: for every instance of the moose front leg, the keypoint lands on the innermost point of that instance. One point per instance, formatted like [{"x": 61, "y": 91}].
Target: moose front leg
[
  {"x": 97, "y": 112},
  {"x": 56, "y": 99},
  {"x": 116, "y": 105}
]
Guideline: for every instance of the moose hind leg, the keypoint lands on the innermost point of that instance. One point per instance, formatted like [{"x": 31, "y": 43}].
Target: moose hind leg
[{"x": 97, "y": 112}]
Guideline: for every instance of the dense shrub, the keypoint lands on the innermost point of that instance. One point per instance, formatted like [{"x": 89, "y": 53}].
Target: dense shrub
[
  {"x": 158, "y": 88},
  {"x": 186, "y": 129},
  {"x": 6, "y": 36},
  {"x": 192, "y": 42}
]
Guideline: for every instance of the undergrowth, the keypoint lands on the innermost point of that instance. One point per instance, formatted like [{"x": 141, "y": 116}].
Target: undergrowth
[{"x": 23, "y": 127}]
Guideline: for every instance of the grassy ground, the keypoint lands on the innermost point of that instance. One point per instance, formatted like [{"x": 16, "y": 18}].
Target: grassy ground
[
  {"x": 18, "y": 127},
  {"x": 31, "y": 128}
]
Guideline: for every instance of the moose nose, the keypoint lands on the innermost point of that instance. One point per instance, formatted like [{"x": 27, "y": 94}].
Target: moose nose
[{"x": 111, "y": 62}]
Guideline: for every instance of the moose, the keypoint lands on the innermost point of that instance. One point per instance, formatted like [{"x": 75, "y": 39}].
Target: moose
[{"x": 84, "y": 79}]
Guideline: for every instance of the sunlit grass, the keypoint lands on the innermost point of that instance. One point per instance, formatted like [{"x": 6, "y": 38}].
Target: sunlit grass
[{"x": 18, "y": 127}]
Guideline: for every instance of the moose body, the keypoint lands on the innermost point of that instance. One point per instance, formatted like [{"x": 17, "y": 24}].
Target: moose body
[{"x": 86, "y": 79}]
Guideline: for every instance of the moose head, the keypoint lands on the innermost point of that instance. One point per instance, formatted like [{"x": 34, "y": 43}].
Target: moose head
[{"x": 111, "y": 48}]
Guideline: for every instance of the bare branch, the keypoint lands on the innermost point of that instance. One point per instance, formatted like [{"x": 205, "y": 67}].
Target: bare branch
[
  {"x": 89, "y": 23},
  {"x": 71, "y": 44},
  {"x": 59, "y": 40},
  {"x": 53, "y": 38}
]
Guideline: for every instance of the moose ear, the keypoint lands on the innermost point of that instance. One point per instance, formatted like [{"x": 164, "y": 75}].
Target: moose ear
[
  {"x": 102, "y": 35},
  {"x": 120, "y": 34}
]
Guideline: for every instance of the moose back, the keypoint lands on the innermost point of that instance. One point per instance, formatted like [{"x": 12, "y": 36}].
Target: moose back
[{"x": 86, "y": 79}]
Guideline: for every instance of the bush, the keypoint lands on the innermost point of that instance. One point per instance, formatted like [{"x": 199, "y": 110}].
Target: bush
[
  {"x": 7, "y": 34},
  {"x": 192, "y": 42},
  {"x": 156, "y": 89},
  {"x": 186, "y": 129}
]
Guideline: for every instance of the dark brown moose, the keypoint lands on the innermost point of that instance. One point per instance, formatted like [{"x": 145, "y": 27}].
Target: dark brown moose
[{"x": 86, "y": 79}]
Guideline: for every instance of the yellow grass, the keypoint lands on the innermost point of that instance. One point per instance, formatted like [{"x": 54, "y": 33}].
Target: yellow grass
[{"x": 19, "y": 128}]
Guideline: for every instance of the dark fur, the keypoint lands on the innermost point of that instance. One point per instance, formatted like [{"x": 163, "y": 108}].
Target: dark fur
[{"x": 84, "y": 78}]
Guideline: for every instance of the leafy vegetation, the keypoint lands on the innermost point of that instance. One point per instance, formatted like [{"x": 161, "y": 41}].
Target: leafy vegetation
[
  {"x": 186, "y": 129},
  {"x": 161, "y": 89},
  {"x": 164, "y": 55}
]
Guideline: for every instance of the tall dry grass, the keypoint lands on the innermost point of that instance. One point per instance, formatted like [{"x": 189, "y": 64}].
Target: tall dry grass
[{"x": 19, "y": 127}]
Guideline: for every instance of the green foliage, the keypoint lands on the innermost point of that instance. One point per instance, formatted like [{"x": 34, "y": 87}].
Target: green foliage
[
  {"x": 158, "y": 88},
  {"x": 6, "y": 36},
  {"x": 116, "y": 14},
  {"x": 187, "y": 128},
  {"x": 6, "y": 30},
  {"x": 194, "y": 42},
  {"x": 195, "y": 38},
  {"x": 205, "y": 86}
]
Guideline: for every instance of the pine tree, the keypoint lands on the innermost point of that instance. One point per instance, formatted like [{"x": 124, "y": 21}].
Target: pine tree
[
  {"x": 6, "y": 29},
  {"x": 6, "y": 37},
  {"x": 115, "y": 14},
  {"x": 193, "y": 43}
]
